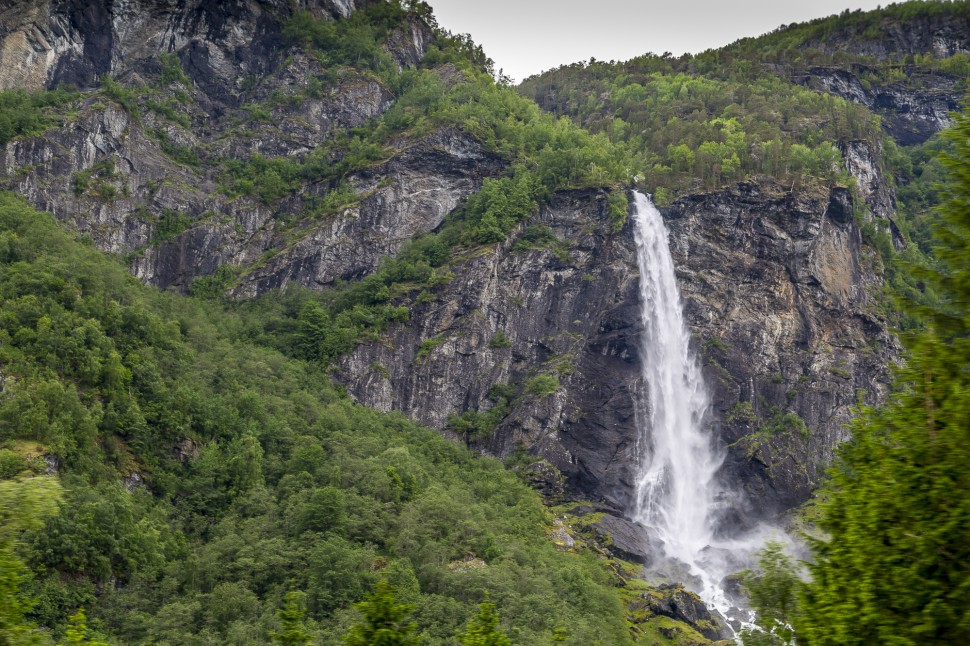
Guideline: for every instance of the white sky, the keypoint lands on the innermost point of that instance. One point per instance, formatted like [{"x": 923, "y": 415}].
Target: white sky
[{"x": 525, "y": 37}]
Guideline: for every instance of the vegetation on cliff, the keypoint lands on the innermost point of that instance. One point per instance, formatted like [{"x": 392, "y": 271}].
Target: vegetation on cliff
[
  {"x": 705, "y": 120},
  {"x": 696, "y": 131}
]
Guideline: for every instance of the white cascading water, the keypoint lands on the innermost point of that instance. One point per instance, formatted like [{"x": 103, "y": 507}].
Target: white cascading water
[{"x": 676, "y": 479}]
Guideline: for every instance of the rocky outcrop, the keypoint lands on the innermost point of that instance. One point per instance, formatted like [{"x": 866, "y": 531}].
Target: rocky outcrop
[
  {"x": 863, "y": 161},
  {"x": 406, "y": 196},
  {"x": 408, "y": 43},
  {"x": 943, "y": 33},
  {"x": 46, "y": 42},
  {"x": 113, "y": 170},
  {"x": 874, "y": 196},
  {"x": 624, "y": 539},
  {"x": 911, "y": 111},
  {"x": 675, "y": 602},
  {"x": 409, "y": 195},
  {"x": 98, "y": 173}
]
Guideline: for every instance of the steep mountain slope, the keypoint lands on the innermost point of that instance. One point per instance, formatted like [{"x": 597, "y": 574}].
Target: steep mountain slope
[
  {"x": 138, "y": 170},
  {"x": 291, "y": 176},
  {"x": 908, "y": 62}
]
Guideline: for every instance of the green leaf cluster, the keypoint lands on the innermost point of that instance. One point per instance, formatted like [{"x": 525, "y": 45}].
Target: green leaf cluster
[{"x": 23, "y": 114}]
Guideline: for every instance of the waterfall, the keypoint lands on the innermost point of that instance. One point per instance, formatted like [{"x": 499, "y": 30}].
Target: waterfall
[{"x": 676, "y": 485}]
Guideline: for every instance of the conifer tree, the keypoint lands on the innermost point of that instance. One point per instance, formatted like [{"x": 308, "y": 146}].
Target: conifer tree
[
  {"x": 385, "y": 621},
  {"x": 483, "y": 630},
  {"x": 291, "y": 617}
]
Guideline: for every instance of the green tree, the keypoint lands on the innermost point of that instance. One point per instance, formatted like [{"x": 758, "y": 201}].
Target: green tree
[
  {"x": 293, "y": 630},
  {"x": 896, "y": 566},
  {"x": 773, "y": 593},
  {"x": 483, "y": 630},
  {"x": 24, "y": 505},
  {"x": 385, "y": 621},
  {"x": 77, "y": 632}
]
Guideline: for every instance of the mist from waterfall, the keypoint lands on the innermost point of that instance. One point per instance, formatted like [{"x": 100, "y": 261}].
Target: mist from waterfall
[{"x": 676, "y": 487}]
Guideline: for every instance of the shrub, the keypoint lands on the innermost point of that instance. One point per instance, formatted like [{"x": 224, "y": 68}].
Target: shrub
[{"x": 541, "y": 385}]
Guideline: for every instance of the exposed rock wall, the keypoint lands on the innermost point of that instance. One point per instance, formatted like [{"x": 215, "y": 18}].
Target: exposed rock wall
[
  {"x": 407, "y": 196},
  {"x": 46, "y": 42},
  {"x": 775, "y": 287},
  {"x": 911, "y": 111},
  {"x": 105, "y": 171},
  {"x": 941, "y": 34}
]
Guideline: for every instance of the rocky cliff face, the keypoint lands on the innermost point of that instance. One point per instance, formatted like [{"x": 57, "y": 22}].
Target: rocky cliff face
[
  {"x": 46, "y": 42},
  {"x": 775, "y": 286},
  {"x": 108, "y": 174},
  {"x": 912, "y": 111},
  {"x": 407, "y": 196},
  {"x": 942, "y": 34}
]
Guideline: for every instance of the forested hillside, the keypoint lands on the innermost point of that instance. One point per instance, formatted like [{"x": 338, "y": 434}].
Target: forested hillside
[{"x": 205, "y": 477}]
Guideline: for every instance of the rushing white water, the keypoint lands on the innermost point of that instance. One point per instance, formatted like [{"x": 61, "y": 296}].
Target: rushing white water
[{"x": 676, "y": 487}]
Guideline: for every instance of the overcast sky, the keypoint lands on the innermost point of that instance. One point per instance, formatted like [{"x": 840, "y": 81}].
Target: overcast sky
[{"x": 525, "y": 37}]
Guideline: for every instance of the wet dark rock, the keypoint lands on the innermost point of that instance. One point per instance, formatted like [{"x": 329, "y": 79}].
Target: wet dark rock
[
  {"x": 681, "y": 605},
  {"x": 626, "y": 539}
]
